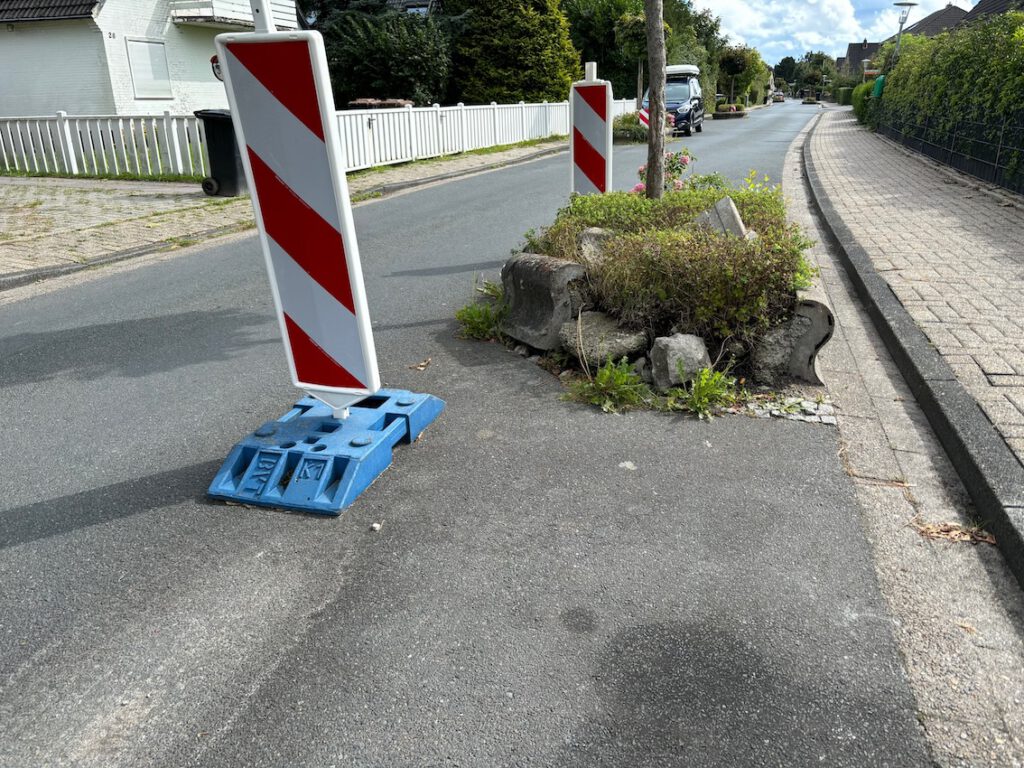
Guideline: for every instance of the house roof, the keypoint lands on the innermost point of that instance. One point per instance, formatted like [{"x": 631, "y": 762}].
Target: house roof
[
  {"x": 940, "y": 21},
  {"x": 856, "y": 52},
  {"x": 45, "y": 10},
  {"x": 986, "y": 7}
]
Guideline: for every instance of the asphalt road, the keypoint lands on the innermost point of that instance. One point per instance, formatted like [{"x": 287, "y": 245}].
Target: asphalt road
[{"x": 529, "y": 600}]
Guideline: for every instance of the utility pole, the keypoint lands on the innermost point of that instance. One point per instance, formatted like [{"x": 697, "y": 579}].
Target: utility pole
[{"x": 653, "y": 10}]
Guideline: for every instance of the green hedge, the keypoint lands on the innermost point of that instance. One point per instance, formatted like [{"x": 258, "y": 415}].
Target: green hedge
[
  {"x": 974, "y": 72},
  {"x": 844, "y": 96},
  {"x": 859, "y": 98}
]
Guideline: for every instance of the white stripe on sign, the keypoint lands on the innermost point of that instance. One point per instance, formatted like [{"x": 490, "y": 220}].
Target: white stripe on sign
[
  {"x": 582, "y": 184},
  {"x": 329, "y": 324},
  {"x": 294, "y": 153},
  {"x": 587, "y": 122}
]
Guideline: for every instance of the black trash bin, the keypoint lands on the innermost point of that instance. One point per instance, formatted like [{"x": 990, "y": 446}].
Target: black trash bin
[{"x": 227, "y": 176}]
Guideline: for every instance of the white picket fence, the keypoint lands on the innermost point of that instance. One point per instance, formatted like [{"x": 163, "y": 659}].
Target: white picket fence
[{"x": 167, "y": 145}]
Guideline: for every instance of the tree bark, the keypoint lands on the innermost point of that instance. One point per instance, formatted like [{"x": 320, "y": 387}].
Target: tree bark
[{"x": 653, "y": 10}]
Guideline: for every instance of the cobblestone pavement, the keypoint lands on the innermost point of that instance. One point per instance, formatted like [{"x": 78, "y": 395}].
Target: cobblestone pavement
[
  {"x": 951, "y": 252},
  {"x": 958, "y": 613},
  {"x": 53, "y": 223}
]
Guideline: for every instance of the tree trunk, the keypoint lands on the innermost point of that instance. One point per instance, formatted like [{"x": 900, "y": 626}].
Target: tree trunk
[{"x": 656, "y": 107}]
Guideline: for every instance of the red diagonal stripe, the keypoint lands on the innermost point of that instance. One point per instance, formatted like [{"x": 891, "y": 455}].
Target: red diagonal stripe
[
  {"x": 314, "y": 244},
  {"x": 597, "y": 97},
  {"x": 313, "y": 365},
  {"x": 286, "y": 70},
  {"x": 588, "y": 160}
]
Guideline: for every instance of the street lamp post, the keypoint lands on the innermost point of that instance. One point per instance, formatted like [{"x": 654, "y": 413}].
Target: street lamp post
[
  {"x": 905, "y": 6},
  {"x": 864, "y": 69}
]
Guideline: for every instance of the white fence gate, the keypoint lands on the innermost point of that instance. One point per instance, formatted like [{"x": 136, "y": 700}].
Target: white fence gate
[{"x": 167, "y": 145}]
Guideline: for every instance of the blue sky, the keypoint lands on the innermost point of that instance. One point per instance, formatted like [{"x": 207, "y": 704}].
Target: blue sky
[{"x": 780, "y": 28}]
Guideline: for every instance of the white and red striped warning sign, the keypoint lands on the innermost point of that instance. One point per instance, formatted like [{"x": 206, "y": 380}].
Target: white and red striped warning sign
[
  {"x": 283, "y": 111},
  {"x": 644, "y": 116},
  {"x": 590, "y": 108}
]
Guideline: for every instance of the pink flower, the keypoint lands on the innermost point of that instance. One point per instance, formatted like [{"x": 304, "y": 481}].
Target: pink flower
[
  {"x": 678, "y": 184},
  {"x": 642, "y": 169},
  {"x": 685, "y": 160},
  {"x": 641, "y": 187}
]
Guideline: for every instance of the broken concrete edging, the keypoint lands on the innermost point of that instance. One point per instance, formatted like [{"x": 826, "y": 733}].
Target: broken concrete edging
[{"x": 990, "y": 471}]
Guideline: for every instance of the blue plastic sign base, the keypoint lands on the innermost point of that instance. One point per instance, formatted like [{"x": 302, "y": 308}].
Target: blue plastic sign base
[{"x": 307, "y": 460}]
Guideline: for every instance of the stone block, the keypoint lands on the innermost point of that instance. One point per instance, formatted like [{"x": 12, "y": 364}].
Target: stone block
[
  {"x": 723, "y": 217},
  {"x": 591, "y": 245},
  {"x": 669, "y": 351},
  {"x": 602, "y": 338},
  {"x": 542, "y": 294}
]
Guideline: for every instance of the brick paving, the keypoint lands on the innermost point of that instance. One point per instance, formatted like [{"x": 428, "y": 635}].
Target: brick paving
[
  {"x": 53, "y": 223},
  {"x": 952, "y": 253}
]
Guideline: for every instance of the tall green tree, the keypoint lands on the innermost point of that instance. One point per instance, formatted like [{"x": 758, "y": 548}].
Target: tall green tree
[
  {"x": 740, "y": 67},
  {"x": 374, "y": 51},
  {"x": 786, "y": 69},
  {"x": 512, "y": 50},
  {"x": 594, "y": 28}
]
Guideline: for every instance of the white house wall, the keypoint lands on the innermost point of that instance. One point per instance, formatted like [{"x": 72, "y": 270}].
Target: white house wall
[
  {"x": 188, "y": 49},
  {"x": 53, "y": 65}
]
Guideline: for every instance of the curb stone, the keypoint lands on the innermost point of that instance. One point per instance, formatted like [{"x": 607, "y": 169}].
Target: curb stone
[
  {"x": 18, "y": 279},
  {"x": 990, "y": 471}
]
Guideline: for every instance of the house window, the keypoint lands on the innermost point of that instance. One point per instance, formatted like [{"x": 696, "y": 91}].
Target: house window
[{"x": 147, "y": 60}]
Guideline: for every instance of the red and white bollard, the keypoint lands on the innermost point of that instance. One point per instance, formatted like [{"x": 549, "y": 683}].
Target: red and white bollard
[{"x": 590, "y": 114}]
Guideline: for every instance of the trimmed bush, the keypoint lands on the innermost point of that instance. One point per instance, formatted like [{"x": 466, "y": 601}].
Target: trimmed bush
[
  {"x": 660, "y": 273},
  {"x": 859, "y": 99},
  {"x": 844, "y": 96}
]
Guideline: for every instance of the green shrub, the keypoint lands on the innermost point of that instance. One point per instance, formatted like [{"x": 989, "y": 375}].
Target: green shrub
[
  {"x": 729, "y": 108},
  {"x": 844, "y": 96},
  {"x": 698, "y": 281},
  {"x": 614, "y": 387},
  {"x": 629, "y": 128},
  {"x": 763, "y": 210},
  {"x": 859, "y": 99}
]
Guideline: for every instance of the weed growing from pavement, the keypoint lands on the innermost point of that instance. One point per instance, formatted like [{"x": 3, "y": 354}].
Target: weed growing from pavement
[
  {"x": 482, "y": 319},
  {"x": 707, "y": 392},
  {"x": 614, "y": 387}
]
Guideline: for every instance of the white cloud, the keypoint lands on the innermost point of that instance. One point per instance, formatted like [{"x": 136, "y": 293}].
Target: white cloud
[{"x": 780, "y": 28}]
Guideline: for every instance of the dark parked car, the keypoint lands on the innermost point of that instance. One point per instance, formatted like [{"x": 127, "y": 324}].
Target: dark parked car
[{"x": 683, "y": 98}]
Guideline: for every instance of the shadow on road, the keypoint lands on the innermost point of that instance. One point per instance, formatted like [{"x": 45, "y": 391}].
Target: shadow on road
[
  {"x": 131, "y": 348},
  {"x": 56, "y": 517}
]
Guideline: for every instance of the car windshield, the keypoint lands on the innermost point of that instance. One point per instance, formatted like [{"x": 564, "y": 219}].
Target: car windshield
[{"x": 677, "y": 91}]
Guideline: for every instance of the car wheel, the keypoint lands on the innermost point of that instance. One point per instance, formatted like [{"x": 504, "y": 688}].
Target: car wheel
[
  {"x": 699, "y": 127},
  {"x": 686, "y": 131}
]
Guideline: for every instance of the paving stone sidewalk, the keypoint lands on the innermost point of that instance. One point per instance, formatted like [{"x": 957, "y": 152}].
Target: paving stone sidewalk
[
  {"x": 62, "y": 224},
  {"x": 950, "y": 251}
]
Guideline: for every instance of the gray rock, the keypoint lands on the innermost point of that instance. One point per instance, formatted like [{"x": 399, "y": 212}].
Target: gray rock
[
  {"x": 542, "y": 294},
  {"x": 603, "y": 339},
  {"x": 829, "y": 420},
  {"x": 669, "y": 351},
  {"x": 723, "y": 217},
  {"x": 591, "y": 245}
]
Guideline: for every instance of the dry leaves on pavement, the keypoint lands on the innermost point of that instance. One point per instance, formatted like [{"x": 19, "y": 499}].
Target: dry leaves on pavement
[{"x": 952, "y": 532}]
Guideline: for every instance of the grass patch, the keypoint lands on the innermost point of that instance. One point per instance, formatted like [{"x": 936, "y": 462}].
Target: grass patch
[
  {"x": 481, "y": 320},
  {"x": 165, "y": 177}
]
